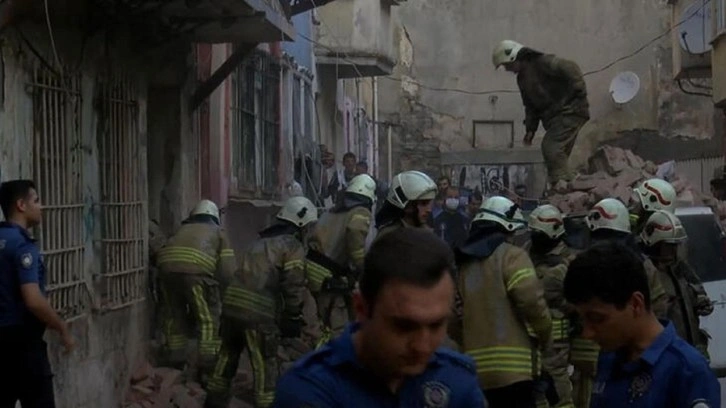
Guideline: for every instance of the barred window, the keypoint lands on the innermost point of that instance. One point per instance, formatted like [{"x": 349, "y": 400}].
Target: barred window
[{"x": 57, "y": 170}]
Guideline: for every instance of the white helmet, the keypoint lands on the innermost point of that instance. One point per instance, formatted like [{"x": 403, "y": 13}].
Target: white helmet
[
  {"x": 610, "y": 214},
  {"x": 206, "y": 207},
  {"x": 503, "y": 211},
  {"x": 299, "y": 211},
  {"x": 411, "y": 186},
  {"x": 656, "y": 194},
  {"x": 364, "y": 185},
  {"x": 548, "y": 220},
  {"x": 663, "y": 226},
  {"x": 505, "y": 52}
]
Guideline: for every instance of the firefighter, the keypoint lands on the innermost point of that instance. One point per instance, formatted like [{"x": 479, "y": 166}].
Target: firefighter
[
  {"x": 551, "y": 257},
  {"x": 662, "y": 236},
  {"x": 608, "y": 220},
  {"x": 264, "y": 304},
  {"x": 337, "y": 250},
  {"x": 650, "y": 196},
  {"x": 505, "y": 320},
  {"x": 554, "y": 93},
  {"x": 408, "y": 203},
  {"x": 192, "y": 265}
]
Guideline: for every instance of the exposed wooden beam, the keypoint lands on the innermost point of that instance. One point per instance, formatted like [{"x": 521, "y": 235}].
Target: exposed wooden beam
[{"x": 208, "y": 86}]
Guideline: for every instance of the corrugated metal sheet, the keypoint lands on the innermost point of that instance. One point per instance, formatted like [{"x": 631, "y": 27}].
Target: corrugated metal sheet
[{"x": 699, "y": 171}]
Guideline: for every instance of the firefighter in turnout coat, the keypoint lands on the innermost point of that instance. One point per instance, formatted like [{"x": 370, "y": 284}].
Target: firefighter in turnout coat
[
  {"x": 263, "y": 304},
  {"x": 551, "y": 257},
  {"x": 553, "y": 92},
  {"x": 687, "y": 300},
  {"x": 408, "y": 204},
  {"x": 650, "y": 196},
  {"x": 505, "y": 319},
  {"x": 192, "y": 265},
  {"x": 337, "y": 249}
]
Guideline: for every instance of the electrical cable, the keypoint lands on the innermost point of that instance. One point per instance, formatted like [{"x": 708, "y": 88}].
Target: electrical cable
[{"x": 52, "y": 37}]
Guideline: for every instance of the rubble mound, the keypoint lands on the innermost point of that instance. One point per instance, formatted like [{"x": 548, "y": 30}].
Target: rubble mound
[{"x": 613, "y": 173}]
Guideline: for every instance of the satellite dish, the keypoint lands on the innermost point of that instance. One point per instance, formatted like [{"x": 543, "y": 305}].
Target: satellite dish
[
  {"x": 624, "y": 87},
  {"x": 694, "y": 31}
]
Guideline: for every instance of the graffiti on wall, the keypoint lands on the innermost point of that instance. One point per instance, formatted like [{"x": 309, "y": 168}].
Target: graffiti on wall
[{"x": 493, "y": 179}]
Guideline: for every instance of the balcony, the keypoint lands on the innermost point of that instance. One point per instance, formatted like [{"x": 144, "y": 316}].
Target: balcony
[
  {"x": 356, "y": 37},
  {"x": 691, "y": 38}
]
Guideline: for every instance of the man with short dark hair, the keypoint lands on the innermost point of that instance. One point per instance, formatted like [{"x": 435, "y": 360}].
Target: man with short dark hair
[
  {"x": 342, "y": 177},
  {"x": 25, "y": 312},
  {"x": 643, "y": 363},
  {"x": 392, "y": 355}
]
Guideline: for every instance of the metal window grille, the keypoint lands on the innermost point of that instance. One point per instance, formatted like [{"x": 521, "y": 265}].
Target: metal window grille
[
  {"x": 57, "y": 168},
  {"x": 256, "y": 124},
  {"x": 123, "y": 221}
]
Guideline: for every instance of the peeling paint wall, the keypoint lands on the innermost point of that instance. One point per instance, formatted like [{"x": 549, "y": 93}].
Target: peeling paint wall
[{"x": 441, "y": 48}]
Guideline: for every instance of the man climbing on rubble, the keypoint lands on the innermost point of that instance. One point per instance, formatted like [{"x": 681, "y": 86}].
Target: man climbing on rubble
[
  {"x": 650, "y": 196},
  {"x": 408, "y": 203},
  {"x": 499, "y": 289},
  {"x": 554, "y": 93},
  {"x": 551, "y": 257},
  {"x": 337, "y": 250},
  {"x": 263, "y": 305},
  {"x": 662, "y": 236},
  {"x": 193, "y": 264}
]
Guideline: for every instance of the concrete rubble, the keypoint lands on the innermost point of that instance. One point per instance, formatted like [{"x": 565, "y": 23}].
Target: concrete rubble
[
  {"x": 614, "y": 172},
  {"x": 162, "y": 387}
]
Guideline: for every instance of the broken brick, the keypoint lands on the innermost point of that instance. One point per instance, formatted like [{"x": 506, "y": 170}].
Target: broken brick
[
  {"x": 650, "y": 168},
  {"x": 628, "y": 178},
  {"x": 142, "y": 372},
  {"x": 634, "y": 161},
  {"x": 578, "y": 201},
  {"x": 609, "y": 159},
  {"x": 679, "y": 185}
]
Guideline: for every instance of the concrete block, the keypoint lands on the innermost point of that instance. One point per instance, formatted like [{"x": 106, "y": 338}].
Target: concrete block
[
  {"x": 608, "y": 159},
  {"x": 634, "y": 161},
  {"x": 628, "y": 178},
  {"x": 578, "y": 201}
]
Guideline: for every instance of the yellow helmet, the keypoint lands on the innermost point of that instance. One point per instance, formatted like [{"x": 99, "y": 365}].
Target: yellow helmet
[
  {"x": 547, "y": 219},
  {"x": 505, "y": 52}
]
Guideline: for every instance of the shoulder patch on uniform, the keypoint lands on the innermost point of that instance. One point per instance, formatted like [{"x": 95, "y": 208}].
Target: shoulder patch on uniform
[
  {"x": 435, "y": 395},
  {"x": 26, "y": 260}
]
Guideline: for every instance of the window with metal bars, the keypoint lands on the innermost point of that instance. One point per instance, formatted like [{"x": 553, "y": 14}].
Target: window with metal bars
[
  {"x": 256, "y": 125},
  {"x": 57, "y": 170},
  {"x": 122, "y": 219}
]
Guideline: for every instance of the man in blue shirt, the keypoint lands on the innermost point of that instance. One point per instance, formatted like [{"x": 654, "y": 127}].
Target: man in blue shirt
[
  {"x": 391, "y": 357},
  {"x": 643, "y": 362},
  {"x": 25, "y": 374}
]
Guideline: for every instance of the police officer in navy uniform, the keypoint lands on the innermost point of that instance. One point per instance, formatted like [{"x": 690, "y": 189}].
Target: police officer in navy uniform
[
  {"x": 643, "y": 362},
  {"x": 391, "y": 357},
  {"x": 25, "y": 312}
]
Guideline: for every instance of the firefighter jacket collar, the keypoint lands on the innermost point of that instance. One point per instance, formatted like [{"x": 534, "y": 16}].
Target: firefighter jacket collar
[{"x": 482, "y": 248}]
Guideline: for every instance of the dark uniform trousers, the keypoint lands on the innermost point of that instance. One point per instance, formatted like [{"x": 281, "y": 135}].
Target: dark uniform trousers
[{"x": 25, "y": 373}]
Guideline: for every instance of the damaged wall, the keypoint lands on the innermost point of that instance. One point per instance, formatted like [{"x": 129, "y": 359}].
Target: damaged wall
[
  {"x": 108, "y": 342},
  {"x": 446, "y": 48}
]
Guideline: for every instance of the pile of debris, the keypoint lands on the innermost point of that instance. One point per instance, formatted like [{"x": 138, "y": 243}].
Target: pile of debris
[
  {"x": 613, "y": 173},
  {"x": 163, "y": 387}
]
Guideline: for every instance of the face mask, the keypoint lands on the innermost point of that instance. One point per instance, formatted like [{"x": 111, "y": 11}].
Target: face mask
[{"x": 452, "y": 203}]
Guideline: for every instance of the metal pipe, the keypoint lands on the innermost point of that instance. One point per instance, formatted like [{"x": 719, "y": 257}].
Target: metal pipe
[
  {"x": 374, "y": 159},
  {"x": 390, "y": 156}
]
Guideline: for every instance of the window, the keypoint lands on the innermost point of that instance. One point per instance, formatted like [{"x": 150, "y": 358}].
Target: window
[
  {"x": 57, "y": 169},
  {"x": 256, "y": 124},
  {"x": 123, "y": 221}
]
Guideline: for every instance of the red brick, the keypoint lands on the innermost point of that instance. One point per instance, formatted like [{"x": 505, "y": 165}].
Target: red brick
[
  {"x": 634, "y": 161},
  {"x": 578, "y": 201},
  {"x": 608, "y": 159},
  {"x": 628, "y": 178},
  {"x": 142, "y": 372}
]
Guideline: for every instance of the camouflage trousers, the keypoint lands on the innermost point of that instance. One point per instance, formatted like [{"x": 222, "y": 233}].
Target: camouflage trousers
[
  {"x": 190, "y": 308},
  {"x": 557, "y": 145},
  {"x": 269, "y": 355}
]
